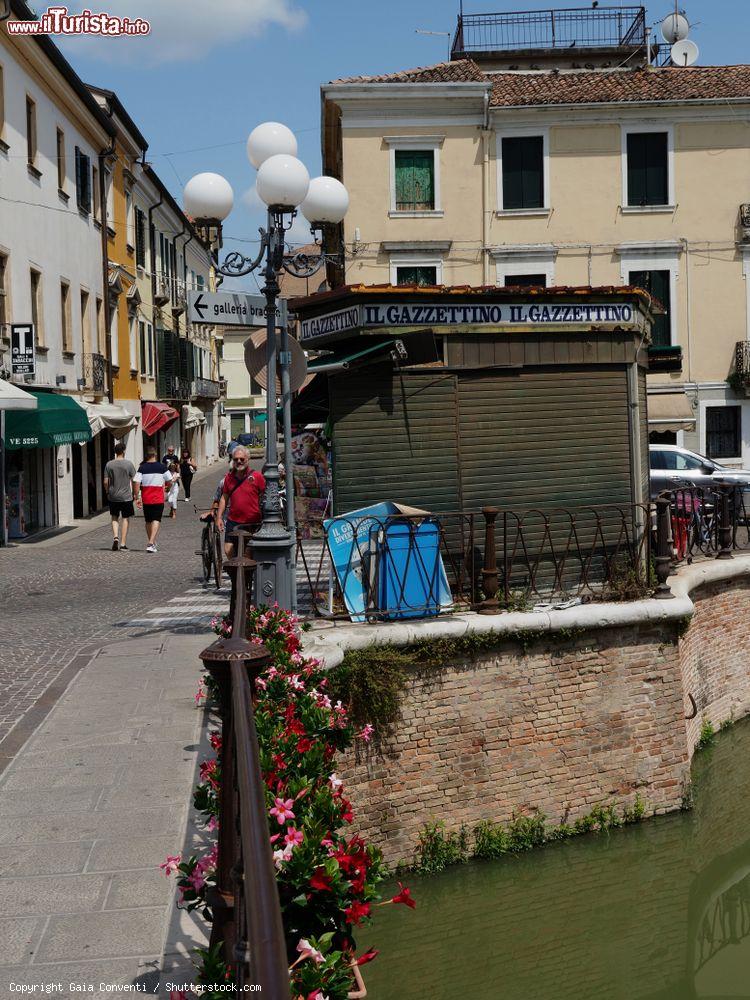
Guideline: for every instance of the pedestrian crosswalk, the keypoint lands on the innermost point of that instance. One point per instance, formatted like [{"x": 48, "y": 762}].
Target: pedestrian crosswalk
[{"x": 196, "y": 607}]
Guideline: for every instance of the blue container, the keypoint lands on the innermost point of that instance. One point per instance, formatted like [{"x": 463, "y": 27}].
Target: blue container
[{"x": 409, "y": 569}]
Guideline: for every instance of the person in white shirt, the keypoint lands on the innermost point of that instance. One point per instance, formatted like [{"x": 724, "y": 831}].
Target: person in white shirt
[{"x": 174, "y": 489}]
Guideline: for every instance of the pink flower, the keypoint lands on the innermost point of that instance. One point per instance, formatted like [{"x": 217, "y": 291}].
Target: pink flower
[
  {"x": 199, "y": 694},
  {"x": 306, "y": 950},
  {"x": 197, "y": 880},
  {"x": 261, "y": 683},
  {"x": 170, "y": 864},
  {"x": 323, "y": 701},
  {"x": 282, "y": 810},
  {"x": 336, "y": 782},
  {"x": 367, "y": 732},
  {"x": 279, "y": 857},
  {"x": 177, "y": 995},
  {"x": 213, "y": 824},
  {"x": 296, "y": 683},
  {"x": 293, "y": 837}
]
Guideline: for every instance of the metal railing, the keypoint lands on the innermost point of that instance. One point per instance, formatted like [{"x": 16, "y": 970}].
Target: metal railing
[
  {"x": 245, "y": 905},
  {"x": 95, "y": 372},
  {"x": 742, "y": 361},
  {"x": 703, "y": 522},
  {"x": 543, "y": 30},
  {"x": 173, "y": 387},
  {"x": 206, "y": 388},
  {"x": 410, "y": 566}
]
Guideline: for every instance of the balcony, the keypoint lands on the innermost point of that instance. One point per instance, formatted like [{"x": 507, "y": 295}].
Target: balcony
[
  {"x": 548, "y": 34},
  {"x": 173, "y": 387},
  {"x": 739, "y": 380},
  {"x": 205, "y": 388},
  {"x": 95, "y": 373}
]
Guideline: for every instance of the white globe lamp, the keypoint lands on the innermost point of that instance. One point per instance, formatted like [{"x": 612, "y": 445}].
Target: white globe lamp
[
  {"x": 208, "y": 196},
  {"x": 327, "y": 201},
  {"x": 270, "y": 139},
  {"x": 282, "y": 181}
]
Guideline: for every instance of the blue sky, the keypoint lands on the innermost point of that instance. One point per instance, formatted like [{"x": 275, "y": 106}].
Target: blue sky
[{"x": 205, "y": 79}]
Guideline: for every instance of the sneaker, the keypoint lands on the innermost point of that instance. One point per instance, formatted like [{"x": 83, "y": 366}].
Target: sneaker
[
  {"x": 150, "y": 548},
  {"x": 123, "y": 548},
  {"x": 115, "y": 545}
]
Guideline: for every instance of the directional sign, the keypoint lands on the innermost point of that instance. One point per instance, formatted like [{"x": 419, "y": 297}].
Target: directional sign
[
  {"x": 22, "y": 359},
  {"x": 231, "y": 309}
]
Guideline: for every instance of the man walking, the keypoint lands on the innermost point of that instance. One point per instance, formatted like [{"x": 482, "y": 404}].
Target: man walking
[
  {"x": 149, "y": 483},
  {"x": 171, "y": 456},
  {"x": 240, "y": 498},
  {"x": 118, "y": 482}
]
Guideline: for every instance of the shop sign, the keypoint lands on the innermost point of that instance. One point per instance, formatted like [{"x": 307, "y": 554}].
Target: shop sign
[
  {"x": 22, "y": 358},
  {"x": 433, "y": 314}
]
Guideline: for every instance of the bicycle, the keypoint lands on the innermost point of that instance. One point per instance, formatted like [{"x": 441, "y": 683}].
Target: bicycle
[{"x": 212, "y": 550}]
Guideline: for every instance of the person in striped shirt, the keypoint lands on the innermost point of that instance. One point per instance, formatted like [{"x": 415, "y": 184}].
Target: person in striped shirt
[{"x": 148, "y": 486}]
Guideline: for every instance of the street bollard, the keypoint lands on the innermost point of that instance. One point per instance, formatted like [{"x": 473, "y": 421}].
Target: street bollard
[
  {"x": 725, "y": 526},
  {"x": 663, "y": 561},
  {"x": 490, "y": 605}
]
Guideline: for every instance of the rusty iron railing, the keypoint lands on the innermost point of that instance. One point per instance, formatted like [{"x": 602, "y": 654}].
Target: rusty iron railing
[
  {"x": 245, "y": 903},
  {"x": 704, "y": 522},
  {"x": 501, "y": 558}
]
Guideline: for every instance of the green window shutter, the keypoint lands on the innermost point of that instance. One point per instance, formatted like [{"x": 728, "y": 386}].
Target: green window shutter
[
  {"x": 657, "y": 283},
  {"x": 648, "y": 177},
  {"x": 415, "y": 180},
  {"x": 523, "y": 172}
]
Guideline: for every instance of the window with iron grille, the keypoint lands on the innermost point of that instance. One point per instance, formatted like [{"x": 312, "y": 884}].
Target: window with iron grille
[
  {"x": 657, "y": 283},
  {"x": 648, "y": 168},
  {"x": 415, "y": 180},
  {"x": 723, "y": 431},
  {"x": 523, "y": 171}
]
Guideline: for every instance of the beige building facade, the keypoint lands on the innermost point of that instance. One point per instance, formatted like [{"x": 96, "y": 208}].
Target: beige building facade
[{"x": 461, "y": 175}]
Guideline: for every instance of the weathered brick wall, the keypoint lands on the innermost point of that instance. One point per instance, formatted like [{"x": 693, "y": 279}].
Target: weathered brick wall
[
  {"x": 558, "y": 726},
  {"x": 715, "y": 654}
]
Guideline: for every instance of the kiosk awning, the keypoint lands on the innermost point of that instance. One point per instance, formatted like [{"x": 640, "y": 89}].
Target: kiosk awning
[
  {"x": 193, "y": 417},
  {"x": 57, "y": 420},
  {"x": 114, "y": 418},
  {"x": 670, "y": 411},
  {"x": 157, "y": 416},
  {"x": 330, "y": 363}
]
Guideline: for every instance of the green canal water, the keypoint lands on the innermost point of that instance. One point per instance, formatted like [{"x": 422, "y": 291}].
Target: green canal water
[{"x": 657, "y": 911}]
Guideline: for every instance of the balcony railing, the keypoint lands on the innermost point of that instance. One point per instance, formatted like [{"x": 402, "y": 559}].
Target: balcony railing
[
  {"x": 173, "y": 387},
  {"x": 741, "y": 374},
  {"x": 547, "y": 30},
  {"x": 95, "y": 372},
  {"x": 706, "y": 522},
  {"x": 206, "y": 388}
]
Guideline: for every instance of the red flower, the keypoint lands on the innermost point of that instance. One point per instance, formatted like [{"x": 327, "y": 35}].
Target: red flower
[
  {"x": 321, "y": 880},
  {"x": 367, "y": 957},
  {"x": 405, "y": 897},
  {"x": 356, "y": 913},
  {"x": 304, "y": 744}
]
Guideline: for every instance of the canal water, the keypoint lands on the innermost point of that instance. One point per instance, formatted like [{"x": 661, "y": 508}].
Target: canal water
[{"x": 657, "y": 911}]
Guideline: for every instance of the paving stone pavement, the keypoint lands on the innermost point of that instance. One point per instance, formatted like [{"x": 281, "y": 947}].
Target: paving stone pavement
[{"x": 62, "y": 600}]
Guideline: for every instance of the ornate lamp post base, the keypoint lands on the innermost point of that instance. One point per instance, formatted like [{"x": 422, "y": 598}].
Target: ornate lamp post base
[{"x": 274, "y": 576}]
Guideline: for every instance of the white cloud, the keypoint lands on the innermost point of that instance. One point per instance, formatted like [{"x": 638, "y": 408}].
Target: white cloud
[
  {"x": 180, "y": 30},
  {"x": 251, "y": 199},
  {"x": 299, "y": 234}
]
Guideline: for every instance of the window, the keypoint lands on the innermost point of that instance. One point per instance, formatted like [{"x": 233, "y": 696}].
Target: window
[
  {"x": 99, "y": 326},
  {"x": 199, "y": 282},
  {"x": 658, "y": 284},
  {"x": 37, "y": 313},
  {"x": 2, "y": 102},
  {"x": 140, "y": 238},
  {"x": 416, "y": 275},
  {"x": 4, "y": 310},
  {"x": 522, "y": 172},
  {"x": 647, "y": 168},
  {"x": 132, "y": 345},
  {"x": 129, "y": 220},
  {"x": 415, "y": 180},
  {"x": 85, "y": 331},
  {"x": 97, "y": 194},
  {"x": 114, "y": 334},
  {"x": 416, "y": 269},
  {"x": 31, "y": 149},
  {"x": 723, "y": 431},
  {"x": 83, "y": 181},
  {"x": 67, "y": 337},
  {"x": 150, "y": 345},
  {"x": 60, "y": 159},
  {"x": 526, "y": 280}
]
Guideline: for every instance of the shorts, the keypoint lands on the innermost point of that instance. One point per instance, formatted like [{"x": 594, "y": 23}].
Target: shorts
[
  {"x": 124, "y": 507},
  {"x": 153, "y": 511},
  {"x": 230, "y": 527}
]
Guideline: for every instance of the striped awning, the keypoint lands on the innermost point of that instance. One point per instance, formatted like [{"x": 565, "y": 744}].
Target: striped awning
[{"x": 670, "y": 411}]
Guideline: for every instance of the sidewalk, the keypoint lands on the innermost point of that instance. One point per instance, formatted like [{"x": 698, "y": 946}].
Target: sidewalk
[{"x": 89, "y": 809}]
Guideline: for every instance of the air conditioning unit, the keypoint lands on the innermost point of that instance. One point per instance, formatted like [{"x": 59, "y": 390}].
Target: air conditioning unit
[
  {"x": 180, "y": 303},
  {"x": 162, "y": 292},
  {"x": 745, "y": 222}
]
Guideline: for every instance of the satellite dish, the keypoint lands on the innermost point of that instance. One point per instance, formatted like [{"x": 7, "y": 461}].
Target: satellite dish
[
  {"x": 255, "y": 361},
  {"x": 674, "y": 28},
  {"x": 684, "y": 53}
]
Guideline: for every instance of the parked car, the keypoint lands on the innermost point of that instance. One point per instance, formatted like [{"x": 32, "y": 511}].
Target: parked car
[{"x": 672, "y": 466}]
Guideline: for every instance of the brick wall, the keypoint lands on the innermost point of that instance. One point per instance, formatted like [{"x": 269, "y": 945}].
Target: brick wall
[{"x": 559, "y": 725}]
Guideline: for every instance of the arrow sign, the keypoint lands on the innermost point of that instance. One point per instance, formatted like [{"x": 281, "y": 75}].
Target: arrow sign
[{"x": 231, "y": 309}]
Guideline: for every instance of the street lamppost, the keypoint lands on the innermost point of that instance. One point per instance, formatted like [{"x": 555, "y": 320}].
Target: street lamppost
[{"x": 284, "y": 185}]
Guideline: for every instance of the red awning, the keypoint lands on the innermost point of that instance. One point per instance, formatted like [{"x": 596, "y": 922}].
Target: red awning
[{"x": 157, "y": 416}]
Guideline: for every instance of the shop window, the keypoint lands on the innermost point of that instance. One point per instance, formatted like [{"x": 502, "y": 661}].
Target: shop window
[
  {"x": 647, "y": 168},
  {"x": 723, "y": 433},
  {"x": 417, "y": 275},
  {"x": 657, "y": 283},
  {"x": 523, "y": 172},
  {"x": 415, "y": 180}
]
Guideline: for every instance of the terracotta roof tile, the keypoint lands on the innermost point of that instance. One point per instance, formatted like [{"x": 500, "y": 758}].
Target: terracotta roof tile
[{"x": 460, "y": 71}]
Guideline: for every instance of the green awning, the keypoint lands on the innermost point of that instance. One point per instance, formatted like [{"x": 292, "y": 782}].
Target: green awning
[
  {"x": 57, "y": 420},
  {"x": 338, "y": 362}
]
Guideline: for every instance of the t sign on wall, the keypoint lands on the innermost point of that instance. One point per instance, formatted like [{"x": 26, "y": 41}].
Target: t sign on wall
[{"x": 22, "y": 358}]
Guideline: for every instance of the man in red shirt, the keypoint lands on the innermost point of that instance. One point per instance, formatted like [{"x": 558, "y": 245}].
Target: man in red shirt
[{"x": 240, "y": 498}]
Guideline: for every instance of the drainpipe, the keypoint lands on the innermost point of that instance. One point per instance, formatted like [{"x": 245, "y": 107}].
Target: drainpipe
[
  {"x": 105, "y": 270},
  {"x": 485, "y": 190}
]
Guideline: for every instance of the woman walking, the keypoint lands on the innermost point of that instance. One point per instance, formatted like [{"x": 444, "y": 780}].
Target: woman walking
[
  {"x": 187, "y": 471},
  {"x": 174, "y": 489}
]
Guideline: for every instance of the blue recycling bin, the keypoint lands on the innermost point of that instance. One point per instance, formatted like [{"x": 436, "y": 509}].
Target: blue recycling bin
[{"x": 409, "y": 569}]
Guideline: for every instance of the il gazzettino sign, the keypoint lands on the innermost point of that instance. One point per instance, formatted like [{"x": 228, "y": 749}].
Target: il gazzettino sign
[{"x": 432, "y": 314}]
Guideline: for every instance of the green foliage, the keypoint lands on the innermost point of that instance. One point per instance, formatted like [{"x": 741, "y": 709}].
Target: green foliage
[
  {"x": 437, "y": 848},
  {"x": 726, "y": 724},
  {"x": 682, "y": 625},
  {"x": 628, "y": 582},
  {"x": 707, "y": 735},
  {"x": 737, "y": 383},
  {"x": 518, "y": 600},
  {"x": 369, "y": 682}
]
